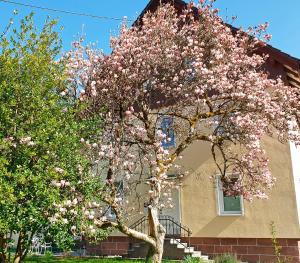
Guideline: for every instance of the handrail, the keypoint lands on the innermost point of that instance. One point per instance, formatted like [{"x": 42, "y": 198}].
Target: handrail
[
  {"x": 178, "y": 224},
  {"x": 138, "y": 222},
  {"x": 141, "y": 223}
]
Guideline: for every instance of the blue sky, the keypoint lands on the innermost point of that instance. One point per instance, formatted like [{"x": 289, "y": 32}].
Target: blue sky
[{"x": 283, "y": 16}]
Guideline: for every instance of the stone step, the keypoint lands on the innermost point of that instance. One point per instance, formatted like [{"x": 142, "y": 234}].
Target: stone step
[
  {"x": 174, "y": 241},
  {"x": 182, "y": 245},
  {"x": 179, "y": 250},
  {"x": 204, "y": 257},
  {"x": 196, "y": 254},
  {"x": 136, "y": 245},
  {"x": 189, "y": 250}
]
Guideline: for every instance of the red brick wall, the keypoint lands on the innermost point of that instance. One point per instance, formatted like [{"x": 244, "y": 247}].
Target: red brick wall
[
  {"x": 111, "y": 246},
  {"x": 252, "y": 250}
]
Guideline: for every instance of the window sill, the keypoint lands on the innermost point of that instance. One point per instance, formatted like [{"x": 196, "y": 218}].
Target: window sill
[{"x": 226, "y": 215}]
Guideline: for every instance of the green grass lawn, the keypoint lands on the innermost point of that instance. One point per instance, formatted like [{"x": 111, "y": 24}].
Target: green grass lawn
[
  {"x": 78, "y": 260},
  {"x": 82, "y": 260}
]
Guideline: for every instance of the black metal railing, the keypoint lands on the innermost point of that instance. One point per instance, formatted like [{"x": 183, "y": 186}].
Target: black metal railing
[{"x": 172, "y": 227}]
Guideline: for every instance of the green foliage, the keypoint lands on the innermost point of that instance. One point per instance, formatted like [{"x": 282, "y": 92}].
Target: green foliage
[
  {"x": 49, "y": 255},
  {"x": 190, "y": 259},
  {"x": 40, "y": 131},
  {"x": 226, "y": 258},
  {"x": 276, "y": 246}
]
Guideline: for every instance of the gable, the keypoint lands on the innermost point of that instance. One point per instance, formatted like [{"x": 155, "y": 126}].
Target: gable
[{"x": 279, "y": 64}]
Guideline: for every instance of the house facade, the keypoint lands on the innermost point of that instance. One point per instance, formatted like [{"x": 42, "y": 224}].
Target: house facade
[{"x": 208, "y": 220}]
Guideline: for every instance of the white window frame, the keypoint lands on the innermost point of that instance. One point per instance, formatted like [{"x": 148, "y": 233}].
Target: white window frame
[
  {"x": 173, "y": 144},
  {"x": 220, "y": 200},
  {"x": 109, "y": 212}
]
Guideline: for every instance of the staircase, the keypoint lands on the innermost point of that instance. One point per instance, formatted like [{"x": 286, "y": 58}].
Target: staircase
[
  {"x": 187, "y": 250},
  {"x": 174, "y": 248}
]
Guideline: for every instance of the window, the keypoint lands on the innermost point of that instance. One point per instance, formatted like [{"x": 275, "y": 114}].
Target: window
[
  {"x": 109, "y": 213},
  {"x": 166, "y": 126},
  {"x": 169, "y": 177},
  {"x": 172, "y": 176},
  {"x": 229, "y": 205},
  {"x": 220, "y": 123}
]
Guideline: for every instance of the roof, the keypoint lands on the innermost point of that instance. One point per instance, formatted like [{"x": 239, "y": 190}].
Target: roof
[
  {"x": 153, "y": 4},
  {"x": 279, "y": 63}
]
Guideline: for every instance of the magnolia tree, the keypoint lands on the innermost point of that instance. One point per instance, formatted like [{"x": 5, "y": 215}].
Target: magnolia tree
[{"x": 191, "y": 75}]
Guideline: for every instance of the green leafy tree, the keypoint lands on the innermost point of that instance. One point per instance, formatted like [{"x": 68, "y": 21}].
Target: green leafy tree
[{"x": 42, "y": 160}]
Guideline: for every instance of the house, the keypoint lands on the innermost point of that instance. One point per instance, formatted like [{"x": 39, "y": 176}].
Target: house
[{"x": 212, "y": 223}]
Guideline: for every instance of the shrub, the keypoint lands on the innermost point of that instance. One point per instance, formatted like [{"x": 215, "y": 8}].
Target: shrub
[
  {"x": 226, "y": 258},
  {"x": 190, "y": 259}
]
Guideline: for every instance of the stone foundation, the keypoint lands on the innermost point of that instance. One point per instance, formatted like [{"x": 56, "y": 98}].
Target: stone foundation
[{"x": 251, "y": 250}]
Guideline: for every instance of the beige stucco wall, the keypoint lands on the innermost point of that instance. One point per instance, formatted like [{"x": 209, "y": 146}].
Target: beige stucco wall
[{"x": 199, "y": 202}]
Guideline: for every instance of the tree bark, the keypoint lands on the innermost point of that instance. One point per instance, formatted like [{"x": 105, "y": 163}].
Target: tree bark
[
  {"x": 155, "y": 239},
  {"x": 156, "y": 236},
  {"x": 21, "y": 248},
  {"x": 17, "y": 257},
  {"x": 155, "y": 254},
  {"x": 3, "y": 248},
  {"x": 157, "y": 232}
]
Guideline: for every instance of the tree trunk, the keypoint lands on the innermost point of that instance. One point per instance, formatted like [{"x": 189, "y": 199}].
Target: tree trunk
[
  {"x": 155, "y": 254},
  {"x": 156, "y": 236},
  {"x": 157, "y": 232},
  {"x": 3, "y": 258},
  {"x": 22, "y": 247},
  {"x": 3, "y": 248},
  {"x": 17, "y": 257}
]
